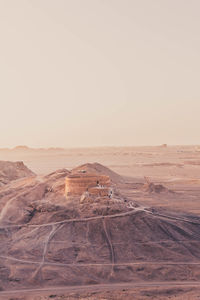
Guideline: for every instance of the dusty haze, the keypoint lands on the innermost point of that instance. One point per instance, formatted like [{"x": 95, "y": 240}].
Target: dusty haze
[{"x": 94, "y": 72}]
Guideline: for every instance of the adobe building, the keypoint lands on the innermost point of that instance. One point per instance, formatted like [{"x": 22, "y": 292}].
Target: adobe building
[{"x": 86, "y": 183}]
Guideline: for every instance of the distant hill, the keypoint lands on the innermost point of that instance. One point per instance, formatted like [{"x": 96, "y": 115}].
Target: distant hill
[
  {"x": 22, "y": 148},
  {"x": 26, "y": 148}
]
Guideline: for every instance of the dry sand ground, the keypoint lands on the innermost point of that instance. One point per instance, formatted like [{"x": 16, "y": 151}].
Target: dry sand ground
[{"x": 177, "y": 168}]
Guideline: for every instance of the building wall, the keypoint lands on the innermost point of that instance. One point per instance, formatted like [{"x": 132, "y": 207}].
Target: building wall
[{"x": 80, "y": 183}]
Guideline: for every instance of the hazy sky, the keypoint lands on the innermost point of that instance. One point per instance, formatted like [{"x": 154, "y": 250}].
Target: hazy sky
[{"x": 99, "y": 72}]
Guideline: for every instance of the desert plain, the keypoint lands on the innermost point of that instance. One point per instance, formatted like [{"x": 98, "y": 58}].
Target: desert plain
[{"x": 141, "y": 243}]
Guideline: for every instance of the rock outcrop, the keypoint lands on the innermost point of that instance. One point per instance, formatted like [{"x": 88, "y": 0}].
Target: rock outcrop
[{"x": 13, "y": 170}]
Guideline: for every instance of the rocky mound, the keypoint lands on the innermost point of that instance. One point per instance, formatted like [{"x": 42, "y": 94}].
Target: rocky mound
[
  {"x": 155, "y": 188},
  {"x": 13, "y": 170},
  {"x": 151, "y": 187},
  {"x": 47, "y": 241}
]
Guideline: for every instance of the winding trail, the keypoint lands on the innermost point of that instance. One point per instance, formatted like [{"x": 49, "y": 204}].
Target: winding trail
[
  {"x": 127, "y": 213},
  {"x": 54, "y": 229},
  {"x": 71, "y": 220},
  {"x": 110, "y": 247},
  {"x": 24, "y": 261},
  {"x": 55, "y": 226}
]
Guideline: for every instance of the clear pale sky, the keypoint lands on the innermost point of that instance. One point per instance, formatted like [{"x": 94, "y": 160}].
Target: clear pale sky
[{"x": 99, "y": 72}]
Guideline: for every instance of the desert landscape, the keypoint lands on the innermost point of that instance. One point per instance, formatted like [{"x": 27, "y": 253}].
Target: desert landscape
[
  {"x": 99, "y": 150},
  {"x": 100, "y": 223}
]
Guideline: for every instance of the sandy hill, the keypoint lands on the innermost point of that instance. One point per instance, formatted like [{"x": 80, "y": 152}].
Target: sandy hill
[
  {"x": 98, "y": 169},
  {"x": 13, "y": 170},
  {"x": 46, "y": 241}
]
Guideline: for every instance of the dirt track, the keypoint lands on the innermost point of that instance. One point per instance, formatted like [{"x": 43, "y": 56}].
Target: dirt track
[
  {"x": 101, "y": 217},
  {"x": 100, "y": 287}
]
